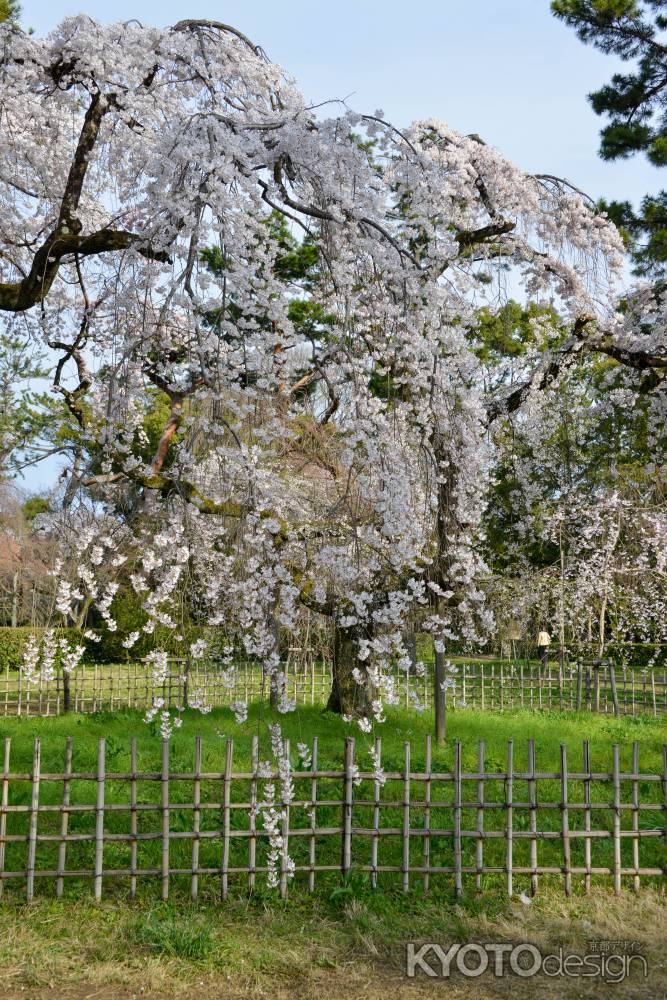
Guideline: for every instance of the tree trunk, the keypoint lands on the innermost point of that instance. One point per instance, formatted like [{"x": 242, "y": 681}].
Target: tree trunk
[
  {"x": 347, "y": 697},
  {"x": 410, "y": 643},
  {"x": 440, "y": 699},
  {"x": 15, "y": 600}
]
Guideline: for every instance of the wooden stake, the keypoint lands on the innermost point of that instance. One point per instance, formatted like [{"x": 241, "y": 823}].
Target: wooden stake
[
  {"x": 346, "y": 858},
  {"x": 426, "y": 849},
  {"x": 99, "y": 820},
  {"x": 635, "y": 815},
  {"x": 252, "y": 839},
  {"x": 565, "y": 820},
  {"x": 313, "y": 815},
  {"x": 617, "y": 822},
  {"x": 479, "y": 846},
  {"x": 509, "y": 785},
  {"x": 196, "y": 820},
  {"x": 226, "y": 801},
  {"x": 134, "y": 824},
  {"x": 406, "y": 818},
  {"x": 64, "y": 818},
  {"x": 458, "y": 882},
  {"x": 34, "y": 816},
  {"x": 587, "y": 815},
  {"x": 532, "y": 817},
  {"x": 4, "y": 802}
]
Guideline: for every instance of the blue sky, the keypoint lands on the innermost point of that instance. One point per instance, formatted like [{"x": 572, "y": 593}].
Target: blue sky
[{"x": 505, "y": 69}]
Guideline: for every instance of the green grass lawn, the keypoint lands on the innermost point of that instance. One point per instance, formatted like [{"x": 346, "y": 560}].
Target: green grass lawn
[
  {"x": 344, "y": 940},
  {"x": 548, "y": 730}
]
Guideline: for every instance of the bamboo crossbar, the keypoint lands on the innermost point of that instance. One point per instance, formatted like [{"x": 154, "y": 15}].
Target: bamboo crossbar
[{"x": 518, "y": 824}]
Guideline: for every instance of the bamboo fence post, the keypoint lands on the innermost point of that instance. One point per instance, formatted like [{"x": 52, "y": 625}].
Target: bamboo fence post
[
  {"x": 655, "y": 707},
  {"x": 509, "y": 827},
  {"x": 458, "y": 881},
  {"x": 284, "y": 853},
  {"x": 34, "y": 816},
  {"x": 196, "y": 820},
  {"x": 479, "y": 845},
  {"x": 252, "y": 821},
  {"x": 134, "y": 819},
  {"x": 226, "y": 801},
  {"x": 580, "y": 680},
  {"x": 426, "y": 848},
  {"x": 376, "y": 815},
  {"x": 565, "y": 820},
  {"x": 539, "y": 686},
  {"x": 164, "y": 807},
  {"x": 532, "y": 818},
  {"x": 405, "y": 865},
  {"x": 313, "y": 817},
  {"x": 64, "y": 818},
  {"x": 99, "y": 819},
  {"x": 614, "y": 692},
  {"x": 346, "y": 855},
  {"x": 617, "y": 822},
  {"x": 4, "y": 802},
  {"x": 635, "y": 815},
  {"x": 587, "y": 815}
]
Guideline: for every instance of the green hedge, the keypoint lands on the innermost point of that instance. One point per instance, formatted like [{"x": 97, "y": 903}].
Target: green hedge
[
  {"x": 13, "y": 642},
  {"x": 109, "y": 649},
  {"x": 630, "y": 654}
]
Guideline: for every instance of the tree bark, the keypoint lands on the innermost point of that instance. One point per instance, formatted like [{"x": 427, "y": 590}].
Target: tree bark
[
  {"x": 347, "y": 697},
  {"x": 440, "y": 700}
]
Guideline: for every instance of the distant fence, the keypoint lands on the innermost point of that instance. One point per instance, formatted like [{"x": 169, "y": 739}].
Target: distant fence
[
  {"x": 469, "y": 825},
  {"x": 597, "y": 686}
]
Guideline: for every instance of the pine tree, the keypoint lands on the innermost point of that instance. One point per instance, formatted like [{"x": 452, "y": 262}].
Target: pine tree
[
  {"x": 9, "y": 11},
  {"x": 635, "y": 104}
]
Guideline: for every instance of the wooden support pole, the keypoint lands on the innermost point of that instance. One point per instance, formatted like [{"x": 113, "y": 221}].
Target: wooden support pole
[
  {"x": 458, "y": 863},
  {"x": 439, "y": 699},
  {"x": 313, "y": 815},
  {"x": 64, "y": 818},
  {"x": 346, "y": 853},
  {"x": 509, "y": 826},
  {"x": 565, "y": 820},
  {"x": 617, "y": 821},
  {"x": 532, "y": 818},
  {"x": 406, "y": 817},
  {"x": 479, "y": 845},
  {"x": 196, "y": 820},
  {"x": 4, "y": 802},
  {"x": 99, "y": 820},
  {"x": 426, "y": 847},
  {"x": 226, "y": 801}
]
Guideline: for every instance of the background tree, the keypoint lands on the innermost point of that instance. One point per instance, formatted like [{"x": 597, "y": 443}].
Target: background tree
[
  {"x": 635, "y": 104},
  {"x": 10, "y": 10}
]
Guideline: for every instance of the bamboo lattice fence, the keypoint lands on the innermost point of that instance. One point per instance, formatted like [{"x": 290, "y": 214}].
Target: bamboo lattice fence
[
  {"x": 604, "y": 688},
  {"x": 473, "y": 824}
]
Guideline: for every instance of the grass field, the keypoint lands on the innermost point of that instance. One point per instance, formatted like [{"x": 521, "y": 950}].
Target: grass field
[{"x": 345, "y": 940}]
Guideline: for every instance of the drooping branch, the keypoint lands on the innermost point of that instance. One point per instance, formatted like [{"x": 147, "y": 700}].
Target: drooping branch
[{"x": 17, "y": 296}]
